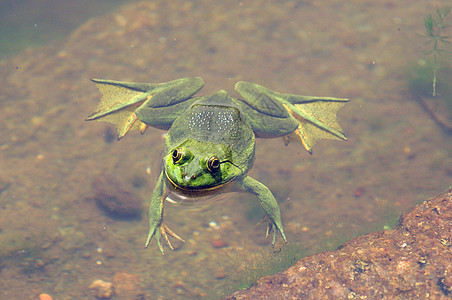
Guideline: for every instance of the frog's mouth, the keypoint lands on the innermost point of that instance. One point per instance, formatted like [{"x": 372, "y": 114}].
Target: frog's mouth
[{"x": 198, "y": 191}]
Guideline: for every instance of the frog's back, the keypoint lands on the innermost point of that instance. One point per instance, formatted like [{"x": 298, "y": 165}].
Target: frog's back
[
  {"x": 214, "y": 123},
  {"x": 215, "y": 119}
]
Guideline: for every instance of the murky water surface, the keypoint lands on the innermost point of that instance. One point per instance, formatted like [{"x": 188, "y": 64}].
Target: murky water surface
[{"x": 55, "y": 238}]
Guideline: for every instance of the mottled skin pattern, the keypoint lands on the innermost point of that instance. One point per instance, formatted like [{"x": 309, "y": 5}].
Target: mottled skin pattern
[{"x": 210, "y": 143}]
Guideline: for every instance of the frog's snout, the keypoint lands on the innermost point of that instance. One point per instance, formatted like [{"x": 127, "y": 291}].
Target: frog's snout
[{"x": 188, "y": 178}]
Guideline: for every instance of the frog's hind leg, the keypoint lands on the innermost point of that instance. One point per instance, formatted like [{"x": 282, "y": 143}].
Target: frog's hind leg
[
  {"x": 116, "y": 96},
  {"x": 164, "y": 107},
  {"x": 316, "y": 116},
  {"x": 121, "y": 101},
  {"x": 118, "y": 104}
]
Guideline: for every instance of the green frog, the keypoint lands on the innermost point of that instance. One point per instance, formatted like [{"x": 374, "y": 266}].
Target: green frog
[{"x": 210, "y": 143}]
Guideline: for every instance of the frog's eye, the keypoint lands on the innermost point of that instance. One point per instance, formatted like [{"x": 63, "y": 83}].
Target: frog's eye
[
  {"x": 177, "y": 155},
  {"x": 213, "y": 164},
  {"x": 181, "y": 155}
]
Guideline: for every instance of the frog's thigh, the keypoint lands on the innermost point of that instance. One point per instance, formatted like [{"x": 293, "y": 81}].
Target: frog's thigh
[
  {"x": 164, "y": 116},
  {"x": 268, "y": 126}
]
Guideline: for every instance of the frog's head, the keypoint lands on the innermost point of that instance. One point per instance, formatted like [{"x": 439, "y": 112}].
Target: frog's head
[{"x": 200, "y": 167}]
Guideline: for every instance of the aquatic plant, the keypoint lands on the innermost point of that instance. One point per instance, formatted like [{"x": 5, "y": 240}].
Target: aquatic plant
[
  {"x": 434, "y": 95},
  {"x": 434, "y": 30}
]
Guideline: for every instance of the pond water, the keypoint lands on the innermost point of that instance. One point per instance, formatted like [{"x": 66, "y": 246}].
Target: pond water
[{"x": 57, "y": 240}]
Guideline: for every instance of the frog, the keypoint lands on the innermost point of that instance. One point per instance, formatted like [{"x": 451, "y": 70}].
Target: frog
[{"x": 210, "y": 140}]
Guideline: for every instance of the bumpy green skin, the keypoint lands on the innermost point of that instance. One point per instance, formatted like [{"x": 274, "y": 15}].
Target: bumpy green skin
[{"x": 210, "y": 144}]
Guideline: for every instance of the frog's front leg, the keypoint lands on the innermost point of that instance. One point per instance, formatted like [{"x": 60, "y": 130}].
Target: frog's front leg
[
  {"x": 157, "y": 227},
  {"x": 268, "y": 202}
]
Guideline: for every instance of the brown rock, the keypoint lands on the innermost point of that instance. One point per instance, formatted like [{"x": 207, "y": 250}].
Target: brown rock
[
  {"x": 127, "y": 286},
  {"x": 101, "y": 289},
  {"x": 219, "y": 243},
  {"x": 114, "y": 197},
  {"x": 220, "y": 274},
  {"x": 412, "y": 261}
]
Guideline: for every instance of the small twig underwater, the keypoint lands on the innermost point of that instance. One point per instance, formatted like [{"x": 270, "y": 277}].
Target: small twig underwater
[{"x": 441, "y": 123}]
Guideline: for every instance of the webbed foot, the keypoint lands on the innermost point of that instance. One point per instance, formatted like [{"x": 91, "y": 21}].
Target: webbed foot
[
  {"x": 162, "y": 231},
  {"x": 315, "y": 116},
  {"x": 121, "y": 101},
  {"x": 118, "y": 105}
]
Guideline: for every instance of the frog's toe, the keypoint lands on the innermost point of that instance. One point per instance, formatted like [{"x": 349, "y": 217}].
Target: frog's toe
[
  {"x": 165, "y": 231},
  {"x": 158, "y": 237},
  {"x": 128, "y": 124},
  {"x": 143, "y": 127},
  {"x": 271, "y": 226},
  {"x": 150, "y": 235},
  {"x": 269, "y": 230},
  {"x": 283, "y": 235},
  {"x": 157, "y": 232},
  {"x": 275, "y": 232}
]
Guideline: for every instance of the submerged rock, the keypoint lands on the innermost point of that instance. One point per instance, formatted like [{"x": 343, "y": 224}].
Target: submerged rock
[
  {"x": 112, "y": 196},
  {"x": 127, "y": 286},
  {"x": 412, "y": 261},
  {"x": 101, "y": 289}
]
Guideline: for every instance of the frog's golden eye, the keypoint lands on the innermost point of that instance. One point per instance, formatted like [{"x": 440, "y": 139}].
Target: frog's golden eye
[
  {"x": 177, "y": 155},
  {"x": 213, "y": 164},
  {"x": 181, "y": 155}
]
